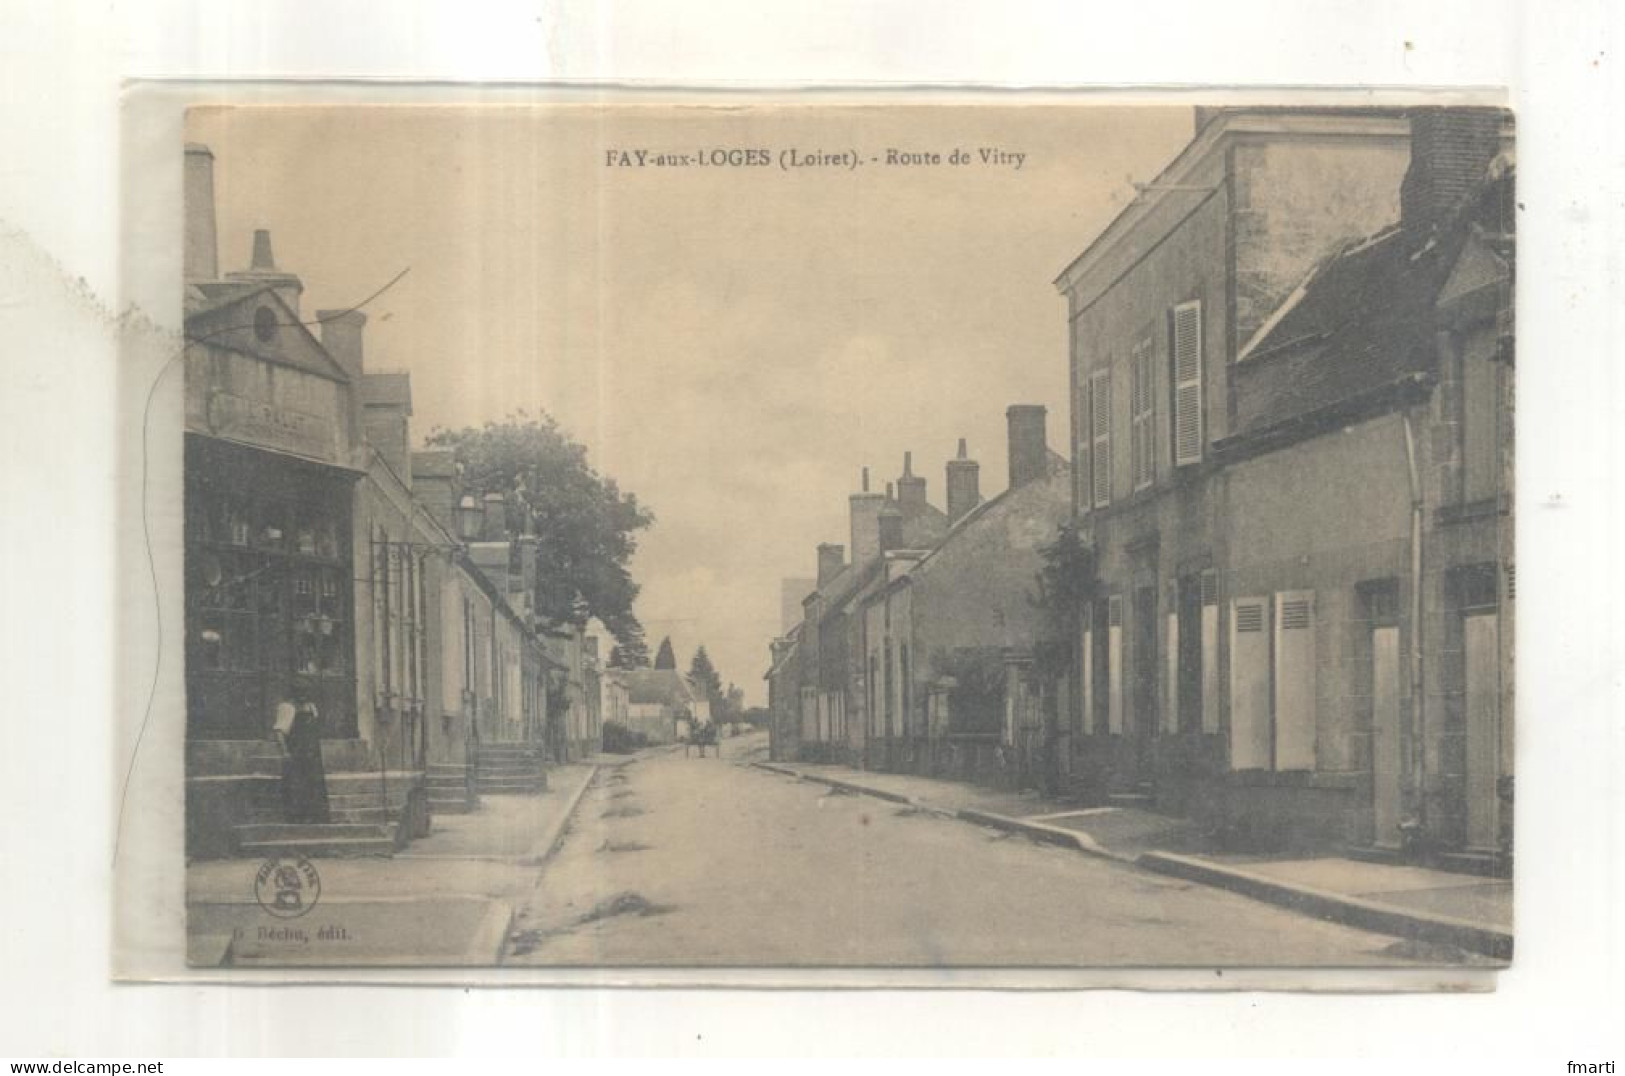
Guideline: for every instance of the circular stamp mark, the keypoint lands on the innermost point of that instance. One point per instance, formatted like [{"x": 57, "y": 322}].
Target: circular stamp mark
[{"x": 287, "y": 886}]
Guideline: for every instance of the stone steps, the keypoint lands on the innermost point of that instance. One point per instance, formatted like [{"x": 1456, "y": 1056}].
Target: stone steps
[{"x": 331, "y": 839}]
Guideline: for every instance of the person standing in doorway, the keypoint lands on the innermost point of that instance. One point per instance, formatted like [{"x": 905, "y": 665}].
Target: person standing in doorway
[{"x": 298, "y": 731}]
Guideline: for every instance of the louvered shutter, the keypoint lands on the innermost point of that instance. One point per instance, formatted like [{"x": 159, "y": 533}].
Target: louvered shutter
[
  {"x": 1295, "y": 680},
  {"x": 1100, "y": 431},
  {"x": 1249, "y": 684},
  {"x": 1187, "y": 379}
]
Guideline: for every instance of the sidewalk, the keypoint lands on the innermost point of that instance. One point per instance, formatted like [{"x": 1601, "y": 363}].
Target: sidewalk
[
  {"x": 445, "y": 899},
  {"x": 1422, "y": 904}
]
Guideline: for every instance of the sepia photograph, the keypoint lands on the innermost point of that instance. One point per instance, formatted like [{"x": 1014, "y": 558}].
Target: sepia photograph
[{"x": 1030, "y": 534}]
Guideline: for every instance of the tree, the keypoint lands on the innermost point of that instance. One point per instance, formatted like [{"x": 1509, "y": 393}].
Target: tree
[
  {"x": 665, "y": 657},
  {"x": 584, "y": 525},
  {"x": 703, "y": 675},
  {"x": 1066, "y": 585}
]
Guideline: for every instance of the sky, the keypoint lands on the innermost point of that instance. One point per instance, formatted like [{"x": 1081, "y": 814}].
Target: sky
[{"x": 731, "y": 343}]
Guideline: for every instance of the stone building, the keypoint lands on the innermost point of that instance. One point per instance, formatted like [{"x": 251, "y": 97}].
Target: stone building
[
  {"x": 1251, "y": 343},
  {"x": 950, "y": 636}
]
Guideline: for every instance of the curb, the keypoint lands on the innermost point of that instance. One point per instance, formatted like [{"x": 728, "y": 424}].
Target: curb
[
  {"x": 1038, "y": 831},
  {"x": 862, "y": 790},
  {"x": 543, "y": 849},
  {"x": 1337, "y": 907},
  {"x": 491, "y": 936}
]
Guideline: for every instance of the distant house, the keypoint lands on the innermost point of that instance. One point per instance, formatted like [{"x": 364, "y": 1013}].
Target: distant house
[{"x": 661, "y": 704}]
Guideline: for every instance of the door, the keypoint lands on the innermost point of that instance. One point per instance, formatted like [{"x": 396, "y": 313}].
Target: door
[
  {"x": 1143, "y": 718},
  {"x": 1387, "y": 748},
  {"x": 1482, "y": 645}
]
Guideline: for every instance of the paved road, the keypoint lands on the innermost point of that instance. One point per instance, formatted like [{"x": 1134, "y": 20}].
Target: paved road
[{"x": 708, "y": 861}]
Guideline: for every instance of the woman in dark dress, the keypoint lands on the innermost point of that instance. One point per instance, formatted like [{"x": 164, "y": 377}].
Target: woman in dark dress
[{"x": 298, "y": 730}]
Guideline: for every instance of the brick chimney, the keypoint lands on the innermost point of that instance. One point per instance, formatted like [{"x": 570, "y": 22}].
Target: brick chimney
[
  {"x": 865, "y": 508},
  {"x": 964, "y": 485},
  {"x": 434, "y": 484},
  {"x": 202, "y": 255},
  {"x": 262, "y": 270},
  {"x": 1029, "y": 450},
  {"x": 910, "y": 487},
  {"x": 386, "y": 413},
  {"x": 831, "y": 559},
  {"x": 889, "y": 523},
  {"x": 1451, "y": 149}
]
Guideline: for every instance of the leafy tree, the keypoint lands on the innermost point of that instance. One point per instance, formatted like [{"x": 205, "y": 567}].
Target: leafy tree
[
  {"x": 1066, "y": 585},
  {"x": 665, "y": 657},
  {"x": 704, "y": 676},
  {"x": 585, "y": 526}
]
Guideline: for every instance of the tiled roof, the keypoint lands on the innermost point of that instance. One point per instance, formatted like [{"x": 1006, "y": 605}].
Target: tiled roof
[
  {"x": 1364, "y": 321},
  {"x": 659, "y": 687}
]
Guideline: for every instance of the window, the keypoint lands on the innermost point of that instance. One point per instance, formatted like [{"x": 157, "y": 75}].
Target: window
[
  {"x": 1100, "y": 437},
  {"x": 265, "y": 325},
  {"x": 1295, "y": 680},
  {"x": 1186, "y": 361},
  {"x": 1481, "y": 455},
  {"x": 1142, "y": 413}
]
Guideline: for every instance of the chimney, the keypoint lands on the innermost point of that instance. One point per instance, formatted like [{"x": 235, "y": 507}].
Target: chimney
[
  {"x": 496, "y": 519},
  {"x": 434, "y": 484},
  {"x": 831, "y": 559},
  {"x": 910, "y": 487},
  {"x": 1029, "y": 451},
  {"x": 865, "y": 523},
  {"x": 889, "y": 523},
  {"x": 341, "y": 338},
  {"x": 262, "y": 270},
  {"x": 386, "y": 412},
  {"x": 202, "y": 255},
  {"x": 1451, "y": 149},
  {"x": 964, "y": 485}
]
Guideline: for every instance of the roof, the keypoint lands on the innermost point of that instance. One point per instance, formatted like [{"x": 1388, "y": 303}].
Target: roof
[
  {"x": 657, "y": 687},
  {"x": 390, "y": 388},
  {"x": 924, "y": 524},
  {"x": 223, "y": 315},
  {"x": 1363, "y": 322}
]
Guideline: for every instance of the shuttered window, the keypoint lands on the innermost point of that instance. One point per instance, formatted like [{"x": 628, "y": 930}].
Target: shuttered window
[
  {"x": 1142, "y": 416},
  {"x": 1100, "y": 436},
  {"x": 1249, "y": 685},
  {"x": 1294, "y": 680},
  {"x": 1186, "y": 349}
]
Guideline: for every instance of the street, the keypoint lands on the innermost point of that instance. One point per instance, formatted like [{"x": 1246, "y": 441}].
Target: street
[{"x": 673, "y": 860}]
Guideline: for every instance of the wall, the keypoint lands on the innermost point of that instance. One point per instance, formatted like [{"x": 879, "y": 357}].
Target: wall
[
  {"x": 1294, "y": 201},
  {"x": 977, "y": 589}
]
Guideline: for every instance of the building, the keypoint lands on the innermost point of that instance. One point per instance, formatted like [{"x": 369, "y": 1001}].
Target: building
[
  {"x": 1368, "y": 492},
  {"x": 315, "y": 572},
  {"x": 662, "y": 704},
  {"x": 952, "y": 635},
  {"x": 1251, "y": 341}
]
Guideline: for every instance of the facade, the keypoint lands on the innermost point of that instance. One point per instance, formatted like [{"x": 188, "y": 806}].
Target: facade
[
  {"x": 327, "y": 563},
  {"x": 1248, "y": 469},
  {"x": 952, "y": 636}
]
